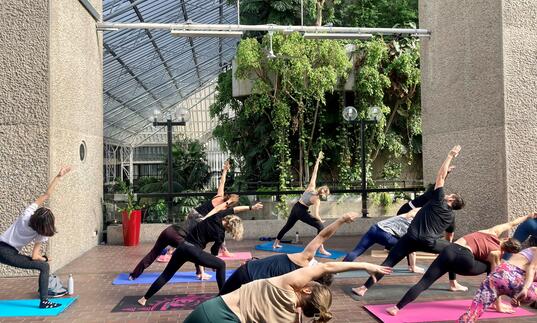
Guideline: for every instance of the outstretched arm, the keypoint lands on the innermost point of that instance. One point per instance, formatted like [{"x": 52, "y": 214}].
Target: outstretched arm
[
  {"x": 299, "y": 278},
  {"x": 530, "y": 275},
  {"x": 313, "y": 180},
  {"x": 236, "y": 209},
  {"x": 50, "y": 189},
  {"x": 501, "y": 228},
  {"x": 443, "y": 171},
  {"x": 222, "y": 183},
  {"x": 326, "y": 233}
]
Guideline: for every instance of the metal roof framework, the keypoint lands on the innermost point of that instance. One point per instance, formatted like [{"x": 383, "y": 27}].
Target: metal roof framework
[{"x": 147, "y": 69}]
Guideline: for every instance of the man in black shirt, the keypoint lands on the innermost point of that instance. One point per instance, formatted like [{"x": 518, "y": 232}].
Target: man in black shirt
[{"x": 426, "y": 229}]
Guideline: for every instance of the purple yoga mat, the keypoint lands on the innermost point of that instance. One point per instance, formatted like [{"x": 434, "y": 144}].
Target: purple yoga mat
[
  {"x": 436, "y": 311},
  {"x": 159, "y": 303},
  {"x": 179, "y": 277}
]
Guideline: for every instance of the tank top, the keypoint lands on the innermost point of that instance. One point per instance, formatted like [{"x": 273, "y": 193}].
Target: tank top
[
  {"x": 528, "y": 254},
  {"x": 482, "y": 244},
  {"x": 205, "y": 208},
  {"x": 272, "y": 266},
  {"x": 306, "y": 197},
  {"x": 261, "y": 301}
]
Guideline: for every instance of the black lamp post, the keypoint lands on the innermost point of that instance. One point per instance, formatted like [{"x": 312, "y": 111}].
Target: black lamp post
[
  {"x": 350, "y": 114},
  {"x": 183, "y": 116}
]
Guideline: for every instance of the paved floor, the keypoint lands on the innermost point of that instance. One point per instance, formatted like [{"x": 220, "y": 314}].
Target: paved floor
[{"x": 96, "y": 269}]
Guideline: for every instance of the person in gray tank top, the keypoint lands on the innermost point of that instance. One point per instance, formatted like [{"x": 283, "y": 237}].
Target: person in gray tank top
[
  {"x": 300, "y": 211},
  {"x": 386, "y": 233}
]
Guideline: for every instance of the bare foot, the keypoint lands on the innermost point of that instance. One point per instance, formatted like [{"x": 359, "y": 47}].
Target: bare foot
[
  {"x": 142, "y": 301},
  {"x": 130, "y": 277},
  {"x": 392, "y": 310},
  {"x": 417, "y": 269},
  {"x": 360, "y": 291},
  {"x": 456, "y": 287},
  {"x": 323, "y": 251},
  {"x": 204, "y": 276},
  {"x": 276, "y": 246},
  {"x": 227, "y": 254}
]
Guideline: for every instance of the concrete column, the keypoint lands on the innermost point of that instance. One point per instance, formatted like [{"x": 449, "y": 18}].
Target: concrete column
[
  {"x": 51, "y": 103},
  {"x": 479, "y": 89}
]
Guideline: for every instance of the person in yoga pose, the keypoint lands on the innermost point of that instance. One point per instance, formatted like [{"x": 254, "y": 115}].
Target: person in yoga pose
[
  {"x": 387, "y": 233},
  {"x": 471, "y": 255},
  {"x": 169, "y": 237},
  {"x": 523, "y": 232},
  {"x": 212, "y": 229},
  {"x": 36, "y": 224},
  {"x": 427, "y": 227},
  {"x": 515, "y": 278},
  {"x": 312, "y": 196},
  {"x": 279, "y": 299},
  {"x": 284, "y": 263}
]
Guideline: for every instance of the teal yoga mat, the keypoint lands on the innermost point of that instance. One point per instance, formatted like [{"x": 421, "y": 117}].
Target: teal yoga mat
[
  {"x": 294, "y": 249},
  {"x": 30, "y": 307}
]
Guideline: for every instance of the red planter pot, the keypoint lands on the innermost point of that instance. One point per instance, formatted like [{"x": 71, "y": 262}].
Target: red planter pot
[{"x": 131, "y": 227}]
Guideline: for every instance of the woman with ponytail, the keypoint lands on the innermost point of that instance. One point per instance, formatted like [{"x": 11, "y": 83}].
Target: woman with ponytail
[{"x": 283, "y": 298}]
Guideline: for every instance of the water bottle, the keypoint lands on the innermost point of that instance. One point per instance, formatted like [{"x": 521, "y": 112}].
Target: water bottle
[
  {"x": 297, "y": 238},
  {"x": 71, "y": 285}
]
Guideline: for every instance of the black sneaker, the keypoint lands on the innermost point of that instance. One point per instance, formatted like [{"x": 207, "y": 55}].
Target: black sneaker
[{"x": 46, "y": 304}]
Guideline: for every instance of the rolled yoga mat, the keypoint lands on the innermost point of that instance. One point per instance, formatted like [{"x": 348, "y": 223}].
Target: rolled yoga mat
[
  {"x": 30, "y": 307},
  {"x": 179, "y": 277},
  {"x": 157, "y": 303},
  {"x": 397, "y": 271},
  {"x": 438, "y": 311},
  {"x": 394, "y": 292},
  {"x": 294, "y": 249}
]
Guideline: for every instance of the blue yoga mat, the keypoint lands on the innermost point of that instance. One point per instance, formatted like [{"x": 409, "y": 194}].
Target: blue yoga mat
[
  {"x": 30, "y": 307},
  {"x": 179, "y": 277},
  {"x": 294, "y": 249}
]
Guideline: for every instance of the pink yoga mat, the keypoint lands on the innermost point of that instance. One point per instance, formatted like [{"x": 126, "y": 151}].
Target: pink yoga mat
[
  {"x": 436, "y": 311},
  {"x": 238, "y": 256}
]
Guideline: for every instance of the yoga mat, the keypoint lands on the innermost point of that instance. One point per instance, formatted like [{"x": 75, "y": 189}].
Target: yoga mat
[
  {"x": 159, "y": 303},
  {"x": 30, "y": 307},
  {"x": 397, "y": 271},
  {"x": 393, "y": 293},
  {"x": 419, "y": 254},
  {"x": 294, "y": 249},
  {"x": 238, "y": 256},
  {"x": 179, "y": 277},
  {"x": 438, "y": 311}
]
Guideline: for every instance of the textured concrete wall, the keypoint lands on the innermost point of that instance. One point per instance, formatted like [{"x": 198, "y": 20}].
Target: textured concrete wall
[
  {"x": 24, "y": 108},
  {"x": 76, "y": 106},
  {"x": 469, "y": 96},
  {"x": 51, "y": 85},
  {"x": 520, "y": 88}
]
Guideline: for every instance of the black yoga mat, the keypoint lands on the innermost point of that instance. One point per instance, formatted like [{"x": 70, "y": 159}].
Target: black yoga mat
[{"x": 159, "y": 303}]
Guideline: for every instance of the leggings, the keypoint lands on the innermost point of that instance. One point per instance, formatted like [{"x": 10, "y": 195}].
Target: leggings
[
  {"x": 373, "y": 235},
  {"x": 188, "y": 252},
  {"x": 212, "y": 311},
  {"x": 236, "y": 280},
  {"x": 168, "y": 237},
  {"x": 405, "y": 246},
  {"x": 454, "y": 258},
  {"x": 299, "y": 212},
  {"x": 506, "y": 279},
  {"x": 11, "y": 257},
  {"x": 522, "y": 233}
]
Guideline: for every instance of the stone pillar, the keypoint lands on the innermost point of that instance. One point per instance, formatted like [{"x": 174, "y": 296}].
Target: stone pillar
[
  {"x": 51, "y": 103},
  {"x": 479, "y": 90}
]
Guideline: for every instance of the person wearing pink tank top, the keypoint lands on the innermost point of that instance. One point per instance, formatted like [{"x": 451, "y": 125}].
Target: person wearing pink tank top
[
  {"x": 514, "y": 278},
  {"x": 472, "y": 255}
]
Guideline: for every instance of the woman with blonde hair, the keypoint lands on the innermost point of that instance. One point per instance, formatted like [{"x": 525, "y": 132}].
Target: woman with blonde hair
[
  {"x": 300, "y": 211},
  {"x": 212, "y": 229},
  {"x": 283, "y": 298}
]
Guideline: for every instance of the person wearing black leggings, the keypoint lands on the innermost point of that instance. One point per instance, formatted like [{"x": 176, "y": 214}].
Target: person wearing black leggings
[
  {"x": 300, "y": 211},
  {"x": 427, "y": 227},
  {"x": 212, "y": 229},
  {"x": 36, "y": 224},
  {"x": 471, "y": 255}
]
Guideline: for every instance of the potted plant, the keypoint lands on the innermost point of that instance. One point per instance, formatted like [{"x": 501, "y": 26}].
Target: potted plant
[{"x": 131, "y": 220}]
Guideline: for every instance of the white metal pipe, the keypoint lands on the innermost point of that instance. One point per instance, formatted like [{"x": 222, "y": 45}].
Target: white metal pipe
[{"x": 224, "y": 27}]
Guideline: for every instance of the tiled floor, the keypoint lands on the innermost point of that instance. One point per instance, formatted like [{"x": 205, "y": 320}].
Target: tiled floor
[{"x": 95, "y": 270}]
